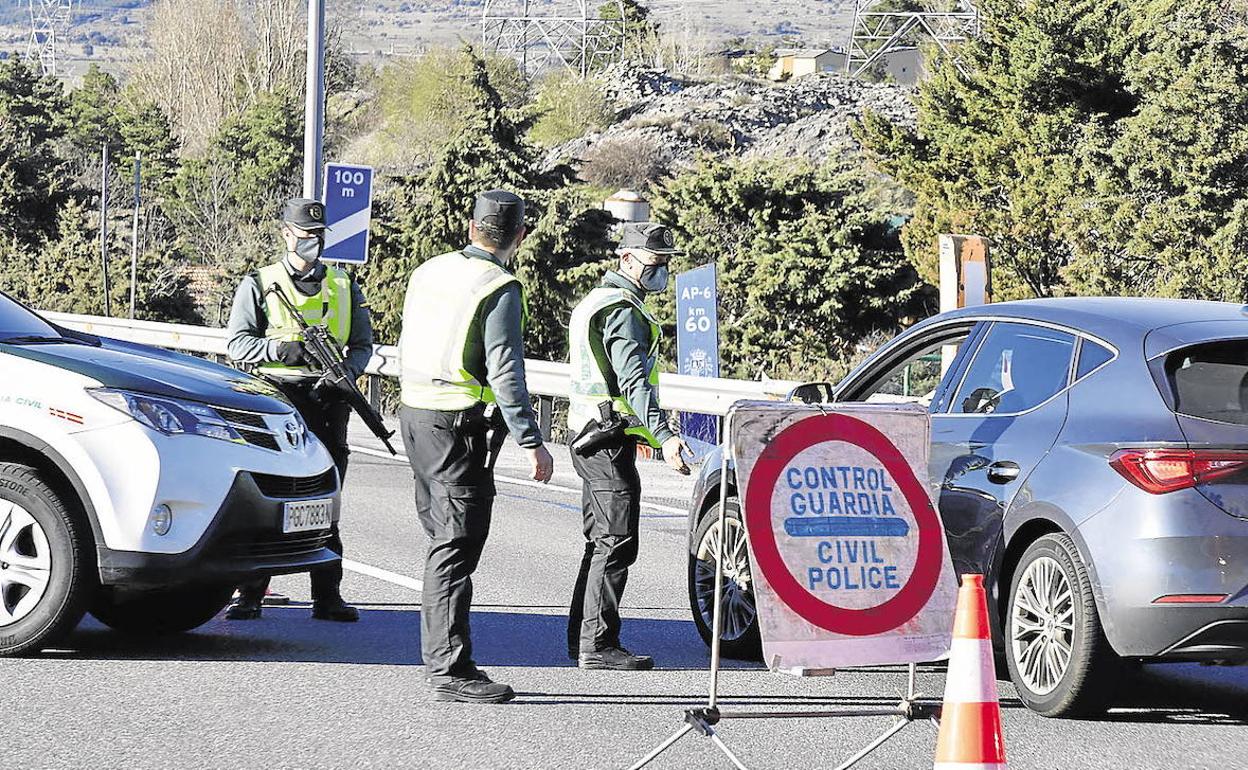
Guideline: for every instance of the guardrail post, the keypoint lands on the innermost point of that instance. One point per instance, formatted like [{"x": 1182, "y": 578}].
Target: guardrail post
[{"x": 545, "y": 415}]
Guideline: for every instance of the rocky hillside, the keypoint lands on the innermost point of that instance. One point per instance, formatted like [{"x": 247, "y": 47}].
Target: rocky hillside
[{"x": 676, "y": 120}]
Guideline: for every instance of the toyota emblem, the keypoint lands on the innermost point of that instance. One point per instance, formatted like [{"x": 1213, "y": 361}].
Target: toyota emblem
[{"x": 295, "y": 433}]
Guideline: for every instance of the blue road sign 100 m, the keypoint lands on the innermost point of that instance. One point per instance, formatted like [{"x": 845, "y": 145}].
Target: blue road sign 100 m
[{"x": 348, "y": 211}]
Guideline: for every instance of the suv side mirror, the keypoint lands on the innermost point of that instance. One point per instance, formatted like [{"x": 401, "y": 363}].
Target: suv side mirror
[{"x": 812, "y": 393}]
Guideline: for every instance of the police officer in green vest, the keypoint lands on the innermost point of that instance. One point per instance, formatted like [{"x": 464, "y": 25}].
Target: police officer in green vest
[
  {"x": 460, "y": 351},
  {"x": 265, "y": 336},
  {"x": 614, "y": 343}
]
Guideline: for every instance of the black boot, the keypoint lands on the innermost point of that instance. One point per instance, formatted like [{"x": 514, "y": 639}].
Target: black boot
[
  {"x": 244, "y": 608},
  {"x": 335, "y": 609},
  {"x": 616, "y": 659},
  {"x": 477, "y": 688}
]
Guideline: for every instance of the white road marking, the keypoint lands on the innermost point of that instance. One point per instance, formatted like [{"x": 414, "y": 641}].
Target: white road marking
[
  {"x": 518, "y": 482},
  {"x": 403, "y": 581}
]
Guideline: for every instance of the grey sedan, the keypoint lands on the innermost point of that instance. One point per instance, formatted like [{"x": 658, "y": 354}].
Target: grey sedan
[{"x": 1090, "y": 458}]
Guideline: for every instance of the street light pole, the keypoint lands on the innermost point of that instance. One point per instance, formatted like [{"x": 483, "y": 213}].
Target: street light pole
[
  {"x": 104, "y": 227},
  {"x": 314, "y": 109},
  {"x": 134, "y": 241}
]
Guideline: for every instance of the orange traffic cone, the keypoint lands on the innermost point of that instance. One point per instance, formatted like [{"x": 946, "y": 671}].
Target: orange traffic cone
[{"x": 970, "y": 723}]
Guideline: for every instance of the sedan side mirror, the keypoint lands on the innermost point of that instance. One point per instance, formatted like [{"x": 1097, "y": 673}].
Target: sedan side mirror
[{"x": 812, "y": 393}]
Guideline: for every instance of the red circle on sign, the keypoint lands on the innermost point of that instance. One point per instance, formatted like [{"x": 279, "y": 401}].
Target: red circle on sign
[{"x": 771, "y": 463}]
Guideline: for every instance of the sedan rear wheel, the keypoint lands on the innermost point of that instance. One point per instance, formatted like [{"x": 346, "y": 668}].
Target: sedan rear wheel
[
  {"x": 739, "y": 635},
  {"x": 1042, "y": 625},
  {"x": 1056, "y": 650}
]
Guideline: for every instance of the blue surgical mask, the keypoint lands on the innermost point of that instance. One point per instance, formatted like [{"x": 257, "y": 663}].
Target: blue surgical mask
[{"x": 654, "y": 278}]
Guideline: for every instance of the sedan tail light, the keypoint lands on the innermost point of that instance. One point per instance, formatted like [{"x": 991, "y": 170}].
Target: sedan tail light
[{"x": 1158, "y": 471}]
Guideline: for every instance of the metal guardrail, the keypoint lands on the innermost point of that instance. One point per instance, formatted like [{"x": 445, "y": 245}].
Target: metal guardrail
[{"x": 704, "y": 395}]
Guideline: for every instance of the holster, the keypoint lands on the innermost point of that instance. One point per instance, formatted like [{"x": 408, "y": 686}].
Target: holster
[
  {"x": 496, "y": 435},
  {"x": 472, "y": 419},
  {"x": 608, "y": 429}
]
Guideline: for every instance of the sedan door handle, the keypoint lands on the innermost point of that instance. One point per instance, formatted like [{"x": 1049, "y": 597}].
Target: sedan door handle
[{"x": 1003, "y": 472}]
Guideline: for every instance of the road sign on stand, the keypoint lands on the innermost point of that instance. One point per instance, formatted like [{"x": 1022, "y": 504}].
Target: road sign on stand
[
  {"x": 348, "y": 212},
  {"x": 849, "y": 556},
  {"x": 697, "y": 346}
]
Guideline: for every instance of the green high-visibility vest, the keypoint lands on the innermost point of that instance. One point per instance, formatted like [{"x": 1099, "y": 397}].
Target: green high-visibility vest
[
  {"x": 331, "y": 307},
  {"x": 591, "y": 385},
  {"x": 443, "y": 298}
]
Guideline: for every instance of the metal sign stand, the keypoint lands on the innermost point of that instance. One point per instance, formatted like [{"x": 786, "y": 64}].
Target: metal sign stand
[{"x": 911, "y": 708}]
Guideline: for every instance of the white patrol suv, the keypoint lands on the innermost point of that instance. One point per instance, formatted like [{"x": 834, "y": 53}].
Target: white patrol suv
[{"x": 142, "y": 485}]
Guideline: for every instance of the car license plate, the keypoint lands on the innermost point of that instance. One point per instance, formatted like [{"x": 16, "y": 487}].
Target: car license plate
[{"x": 307, "y": 515}]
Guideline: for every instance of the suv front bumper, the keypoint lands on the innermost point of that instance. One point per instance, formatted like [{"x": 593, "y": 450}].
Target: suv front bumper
[{"x": 243, "y": 542}]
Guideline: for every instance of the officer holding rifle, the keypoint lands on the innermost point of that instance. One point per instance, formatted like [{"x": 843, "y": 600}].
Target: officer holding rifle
[{"x": 266, "y": 333}]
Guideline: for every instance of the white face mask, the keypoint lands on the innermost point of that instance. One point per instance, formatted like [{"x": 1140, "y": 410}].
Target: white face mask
[{"x": 309, "y": 249}]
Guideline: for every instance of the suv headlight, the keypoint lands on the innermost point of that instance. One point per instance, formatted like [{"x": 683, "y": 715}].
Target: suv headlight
[{"x": 168, "y": 415}]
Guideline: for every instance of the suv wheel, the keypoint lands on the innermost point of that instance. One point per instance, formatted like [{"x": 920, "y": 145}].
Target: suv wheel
[
  {"x": 45, "y": 563},
  {"x": 1057, "y": 654},
  {"x": 739, "y": 634},
  {"x": 156, "y": 613}
]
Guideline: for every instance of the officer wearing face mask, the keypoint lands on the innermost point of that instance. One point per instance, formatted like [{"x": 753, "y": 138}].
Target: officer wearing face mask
[
  {"x": 614, "y": 354},
  {"x": 266, "y": 337}
]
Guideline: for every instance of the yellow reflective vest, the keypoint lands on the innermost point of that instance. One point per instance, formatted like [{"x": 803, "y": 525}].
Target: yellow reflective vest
[
  {"x": 330, "y": 307},
  {"x": 590, "y": 363},
  {"x": 443, "y": 298}
]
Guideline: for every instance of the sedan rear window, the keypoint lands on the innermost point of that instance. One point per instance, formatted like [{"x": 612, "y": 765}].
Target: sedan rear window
[
  {"x": 1091, "y": 357},
  {"x": 1210, "y": 381}
]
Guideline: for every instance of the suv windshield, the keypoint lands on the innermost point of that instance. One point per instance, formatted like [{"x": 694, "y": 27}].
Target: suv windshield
[
  {"x": 17, "y": 323},
  {"x": 1210, "y": 381}
]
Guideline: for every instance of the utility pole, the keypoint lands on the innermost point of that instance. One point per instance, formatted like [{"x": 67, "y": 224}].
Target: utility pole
[
  {"x": 314, "y": 110},
  {"x": 134, "y": 241},
  {"x": 104, "y": 227}
]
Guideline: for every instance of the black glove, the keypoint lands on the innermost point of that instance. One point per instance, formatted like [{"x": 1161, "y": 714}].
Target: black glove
[{"x": 293, "y": 353}]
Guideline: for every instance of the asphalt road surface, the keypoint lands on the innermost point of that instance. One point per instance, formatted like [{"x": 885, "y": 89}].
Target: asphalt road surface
[{"x": 290, "y": 692}]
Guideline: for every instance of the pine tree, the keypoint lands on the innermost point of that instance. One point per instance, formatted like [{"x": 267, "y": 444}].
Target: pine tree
[
  {"x": 561, "y": 260},
  {"x": 1100, "y": 145},
  {"x": 807, "y": 265},
  {"x": 35, "y": 178}
]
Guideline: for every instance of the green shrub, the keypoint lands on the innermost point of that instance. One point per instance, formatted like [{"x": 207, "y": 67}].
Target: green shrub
[
  {"x": 422, "y": 106},
  {"x": 568, "y": 108}
]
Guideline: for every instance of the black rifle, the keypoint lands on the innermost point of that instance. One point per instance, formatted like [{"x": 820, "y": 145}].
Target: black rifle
[{"x": 326, "y": 353}]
